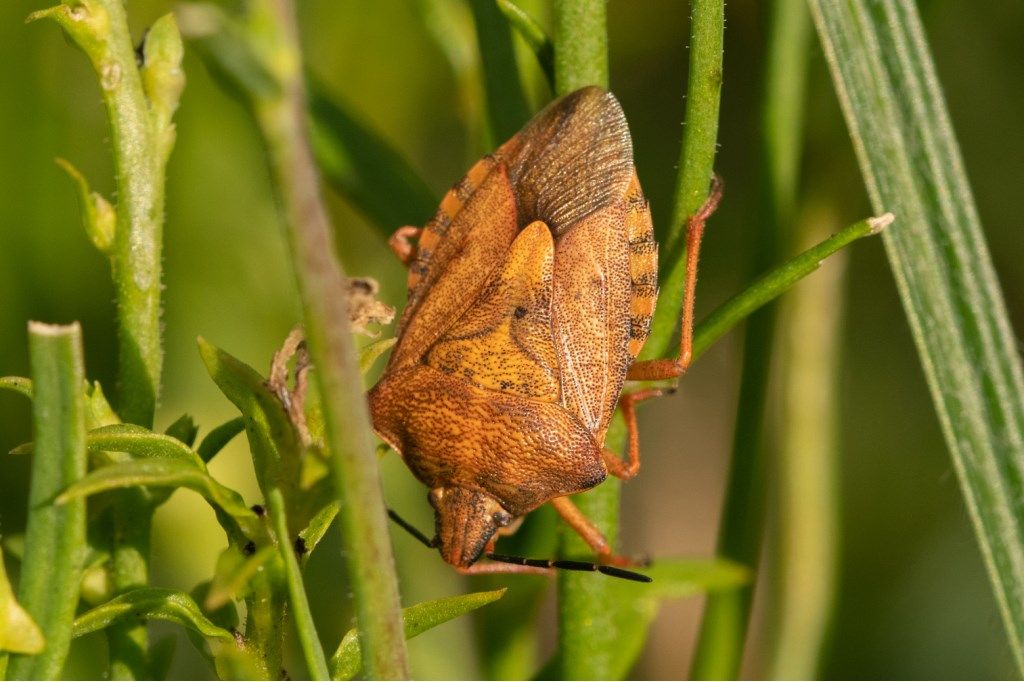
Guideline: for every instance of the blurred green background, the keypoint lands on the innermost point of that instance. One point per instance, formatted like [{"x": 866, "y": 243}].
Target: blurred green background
[{"x": 913, "y": 599}]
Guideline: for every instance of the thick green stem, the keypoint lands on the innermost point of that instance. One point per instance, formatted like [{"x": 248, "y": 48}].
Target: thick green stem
[
  {"x": 325, "y": 310},
  {"x": 586, "y": 631},
  {"x": 581, "y": 44},
  {"x": 309, "y": 640},
  {"x": 55, "y": 538}
]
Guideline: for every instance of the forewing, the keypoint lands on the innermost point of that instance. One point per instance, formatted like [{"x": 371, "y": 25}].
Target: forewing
[
  {"x": 503, "y": 342},
  {"x": 457, "y": 266},
  {"x": 573, "y": 158}
]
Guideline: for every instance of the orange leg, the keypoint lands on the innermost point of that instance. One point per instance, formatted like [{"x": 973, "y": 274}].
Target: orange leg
[
  {"x": 654, "y": 370},
  {"x": 571, "y": 514},
  {"x": 630, "y": 468},
  {"x": 400, "y": 244}
]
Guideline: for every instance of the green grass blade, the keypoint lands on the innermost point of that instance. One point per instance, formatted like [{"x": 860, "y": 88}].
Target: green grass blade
[
  {"x": 507, "y": 109},
  {"x": 889, "y": 91},
  {"x": 55, "y": 538}
]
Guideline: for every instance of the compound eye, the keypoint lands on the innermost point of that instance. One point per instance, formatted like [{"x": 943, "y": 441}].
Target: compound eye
[{"x": 501, "y": 518}]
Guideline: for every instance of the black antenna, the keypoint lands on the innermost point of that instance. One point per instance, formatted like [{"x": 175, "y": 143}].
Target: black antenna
[
  {"x": 569, "y": 565},
  {"x": 411, "y": 529},
  {"x": 563, "y": 564}
]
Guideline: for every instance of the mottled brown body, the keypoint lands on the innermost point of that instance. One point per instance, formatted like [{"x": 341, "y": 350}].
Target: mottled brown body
[{"x": 530, "y": 295}]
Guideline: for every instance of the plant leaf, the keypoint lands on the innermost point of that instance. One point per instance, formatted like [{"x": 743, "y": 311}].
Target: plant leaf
[
  {"x": 172, "y": 473},
  {"x": 141, "y": 443},
  {"x": 184, "y": 429},
  {"x": 347, "y": 660},
  {"x": 19, "y": 385},
  {"x": 18, "y": 632},
  {"x": 886, "y": 82},
  {"x": 364, "y": 168},
  {"x": 232, "y": 574},
  {"x": 151, "y": 602},
  {"x": 219, "y": 437},
  {"x": 636, "y": 605},
  {"x": 369, "y": 353},
  {"x": 531, "y": 31},
  {"x": 318, "y": 525}
]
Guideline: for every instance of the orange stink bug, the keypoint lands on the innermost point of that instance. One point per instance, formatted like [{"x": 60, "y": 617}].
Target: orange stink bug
[{"x": 531, "y": 293}]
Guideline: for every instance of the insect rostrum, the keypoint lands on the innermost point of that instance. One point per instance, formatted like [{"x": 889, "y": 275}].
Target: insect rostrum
[{"x": 530, "y": 295}]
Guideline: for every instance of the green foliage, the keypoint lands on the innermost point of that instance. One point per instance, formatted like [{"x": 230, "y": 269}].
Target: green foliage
[
  {"x": 18, "y": 632},
  {"x": 346, "y": 661},
  {"x": 910, "y": 160},
  {"x": 155, "y": 603}
]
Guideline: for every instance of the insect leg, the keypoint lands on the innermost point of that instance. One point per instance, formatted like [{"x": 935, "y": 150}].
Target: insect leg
[
  {"x": 400, "y": 244},
  {"x": 627, "y": 403},
  {"x": 491, "y": 567},
  {"x": 571, "y": 514},
  {"x": 653, "y": 370}
]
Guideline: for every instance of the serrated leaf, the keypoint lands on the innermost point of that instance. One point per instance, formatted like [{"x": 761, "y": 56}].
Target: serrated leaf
[
  {"x": 218, "y": 438},
  {"x": 347, "y": 661},
  {"x": 151, "y": 602},
  {"x": 184, "y": 429},
  {"x": 18, "y": 632},
  {"x": 232, "y": 574},
  {"x": 169, "y": 473}
]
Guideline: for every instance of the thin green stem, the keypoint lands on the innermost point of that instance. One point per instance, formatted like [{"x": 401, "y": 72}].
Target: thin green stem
[
  {"x": 55, "y": 538},
  {"x": 534, "y": 35},
  {"x": 321, "y": 280},
  {"x": 768, "y": 287},
  {"x": 586, "y": 631},
  {"x": 309, "y": 640},
  {"x": 696, "y": 163},
  {"x": 507, "y": 110}
]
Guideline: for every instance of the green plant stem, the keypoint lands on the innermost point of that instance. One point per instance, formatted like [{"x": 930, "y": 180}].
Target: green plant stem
[
  {"x": 534, "y": 35},
  {"x": 886, "y": 82},
  {"x": 768, "y": 287},
  {"x": 696, "y": 164},
  {"x": 806, "y": 536},
  {"x": 312, "y": 650},
  {"x": 325, "y": 310},
  {"x": 55, "y": 538},
  {"x": 581, "y": 44},
  {"x": 586, "y": 632},
  {"x": 507, "y": 110}
]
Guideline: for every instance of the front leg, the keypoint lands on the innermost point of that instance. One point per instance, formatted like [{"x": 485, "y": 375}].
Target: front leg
[{"x": 590, "y": 533}]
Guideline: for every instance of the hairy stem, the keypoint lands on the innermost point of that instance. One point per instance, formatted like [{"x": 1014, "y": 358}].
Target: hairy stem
[{"x": 325, "y": 310}]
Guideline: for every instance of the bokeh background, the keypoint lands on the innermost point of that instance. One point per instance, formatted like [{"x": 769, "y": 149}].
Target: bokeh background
[{"x": 913, "y": 598}]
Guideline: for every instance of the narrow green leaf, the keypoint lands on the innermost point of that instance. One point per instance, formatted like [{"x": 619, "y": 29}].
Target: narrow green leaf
[
  {"x": 168, "y": 473},
  {"x": 98, "y": 215},
  {"x": 232, "y": 574},
  {"x": 507, "y": 109},
  {"x": 184, "y": 429},
  {"x": 19, "y": 385},
  {"x": 346, "y": 662},
  {"x": 55, "y": 541},
  {"x": 18, "y": 632},
  {"x": 531, "y": 31},
  {"x": 636, "y": 605},
  {"x": 887, "y": 85},
  {"x": 219, "y": 437},
  {"x": 364, "y": 167},
  {"x": 369, "y": 353},
  {"x": 151, "y": 602},
  {"x": 317, "y": 528},
  {"x": 142, "y": 443}
]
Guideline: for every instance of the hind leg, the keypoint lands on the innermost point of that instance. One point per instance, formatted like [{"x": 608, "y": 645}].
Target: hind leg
[{"x": 400, "y": 243}]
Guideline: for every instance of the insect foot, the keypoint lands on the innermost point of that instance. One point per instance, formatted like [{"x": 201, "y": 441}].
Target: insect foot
[{"x": 531, "y": 292}]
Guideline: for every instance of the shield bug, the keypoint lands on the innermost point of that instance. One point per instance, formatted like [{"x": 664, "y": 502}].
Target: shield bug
[{"x": 530, "y": 296}]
